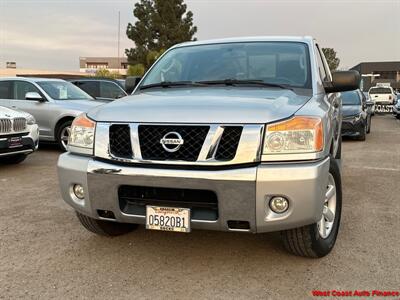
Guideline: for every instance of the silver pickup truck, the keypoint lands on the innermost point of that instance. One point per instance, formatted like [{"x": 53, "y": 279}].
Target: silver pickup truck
[{"x": 232, "y": 135}]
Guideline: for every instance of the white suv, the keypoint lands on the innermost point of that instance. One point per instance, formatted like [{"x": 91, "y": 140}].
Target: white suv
[
  {"x": 19, "y": 135},
  {"x": 382, "y": 94}
]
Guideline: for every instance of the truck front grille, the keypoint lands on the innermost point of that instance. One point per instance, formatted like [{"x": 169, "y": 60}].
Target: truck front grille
[
  {"x": 120, "y": 141},
  {"x": 202, "y": 203},
  {"x": 5, "y": 125},
  {"x": 19, "y": 124},
  {"x": 151, "y": 148},
  {"x": 229, "y": 143}
]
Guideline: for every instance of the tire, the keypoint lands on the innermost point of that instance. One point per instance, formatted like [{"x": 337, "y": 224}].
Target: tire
[
  {"x": 13, "y": 159},
  {"x": 307, "y": 241},
  {"x": 363, "y": 134},
  {"x": 105, "y": 228},
  {"x": 60, "y": 133},
  {"x": 369, "y": 124},
  {"x": 339, "y": 150},
  {"x": 398, "y": 116}
]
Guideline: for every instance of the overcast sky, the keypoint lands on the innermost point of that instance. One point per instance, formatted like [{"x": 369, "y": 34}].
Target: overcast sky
[{"x": 53, "y": 34}]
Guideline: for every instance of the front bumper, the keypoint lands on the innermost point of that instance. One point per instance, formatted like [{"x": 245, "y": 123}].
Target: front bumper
[
  {"x": 30, "y": 142},
  {"x": 243, "y": 193},
  {"x": 352, "y": 128}
]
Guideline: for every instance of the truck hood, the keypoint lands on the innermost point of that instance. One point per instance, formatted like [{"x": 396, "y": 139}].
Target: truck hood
[
  {"x": 202, "y": 105},
  {"x": 350, "y": 110},
  {"x": 80, "y": 105}
]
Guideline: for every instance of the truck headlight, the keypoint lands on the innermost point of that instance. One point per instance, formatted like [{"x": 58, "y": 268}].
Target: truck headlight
[
  {"x": 297, "y": 135},
  {"x": 30, "y": 120},
  {"x": 81, "y": 137}
]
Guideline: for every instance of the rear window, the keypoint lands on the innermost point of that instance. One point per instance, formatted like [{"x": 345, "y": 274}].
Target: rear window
[
  {"x": 350, "y": 98},
  {"x": 380, "y": 91}
]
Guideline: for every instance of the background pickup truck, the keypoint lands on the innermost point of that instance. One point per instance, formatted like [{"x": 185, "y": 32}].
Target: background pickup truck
[{"x": 232, "y": 135}]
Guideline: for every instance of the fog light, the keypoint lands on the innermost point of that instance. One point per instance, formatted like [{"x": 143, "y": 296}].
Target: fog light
[
  {"x": 279, "y": 204},
  {"x": 78, "y": 191}
]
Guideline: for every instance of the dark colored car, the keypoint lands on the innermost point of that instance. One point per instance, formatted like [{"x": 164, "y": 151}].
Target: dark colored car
[
  {"x": 396, "y": 107},
  {"x": 100, "y": 88},
  {"x": 356, "y": 115}
]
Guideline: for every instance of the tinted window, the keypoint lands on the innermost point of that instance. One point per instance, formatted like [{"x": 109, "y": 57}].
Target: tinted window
[
  {"x": 110, "y": 90},
  {"x": 90, "y": 87},
  {"x": 5, "y": 90},
  {"x": 380, "y": 91},
  {"x": 23, "y": 87},
  {"x": 62, "y": 90},
  {"x": 273, "y": 62},
  {"x": 351, "y": 98}
]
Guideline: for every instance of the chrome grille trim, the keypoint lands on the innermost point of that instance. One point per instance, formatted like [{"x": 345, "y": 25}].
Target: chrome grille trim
[
  {"x": 19, "y": 124},
  {"x": 5, "y": 125},
  {"x": 248, "y": 150}
]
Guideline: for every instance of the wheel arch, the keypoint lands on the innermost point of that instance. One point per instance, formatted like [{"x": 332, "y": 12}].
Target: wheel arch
[{"x": 61, "y": 121}]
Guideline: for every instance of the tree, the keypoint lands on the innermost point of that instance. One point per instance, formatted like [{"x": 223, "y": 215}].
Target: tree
[
  {"x": 135, "y": 70},
  {"x": 160, "y": 24},
  {"x": 104, "y": 73},
  {"x": 330, "y": 55}
]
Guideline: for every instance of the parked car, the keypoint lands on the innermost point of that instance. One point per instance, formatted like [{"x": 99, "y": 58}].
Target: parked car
[
  {"x": 53, "y": 102},
  {"x": 232, "y": 135},
  {"x": 356, "y": 115},
  {"x": 370, "y": 103},
  {"x": 396, "y": 109},
  {"x": 101, "y": 88},
  {"x": 382, "y": 94},
  {"x": 19, "y": 135}
]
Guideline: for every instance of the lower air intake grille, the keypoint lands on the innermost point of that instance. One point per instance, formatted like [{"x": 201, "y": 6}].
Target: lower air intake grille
[
  {"x": 229, "y": 143},
  {"x": 120, "y": 141}
]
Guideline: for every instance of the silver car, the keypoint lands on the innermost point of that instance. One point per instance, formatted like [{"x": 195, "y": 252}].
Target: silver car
[
  {"x": 232, "y": 135},
  {"x": 53, "y": 102}
]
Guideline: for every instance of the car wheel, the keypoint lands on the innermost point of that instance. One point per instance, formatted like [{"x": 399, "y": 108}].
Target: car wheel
[
  {"x": 369, "y": 124},
  {"x": 339, "y": 150},
  {"x": 105, "y": 228},
  {"x": 363, "y": 133},
  {"x": 318, "y": 239},
  {"x": 13, "y": 159},
  {"x": 398, "y": 116},
  {"x": 63, "y": 134}
]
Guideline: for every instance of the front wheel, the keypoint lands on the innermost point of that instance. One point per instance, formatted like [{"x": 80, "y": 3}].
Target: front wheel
[
  {"x": 317, "y": 240},
  {"x": 369, "y": 124},
  {"x": 105, "y": 228},
  {"x": 62, "y": 136}
]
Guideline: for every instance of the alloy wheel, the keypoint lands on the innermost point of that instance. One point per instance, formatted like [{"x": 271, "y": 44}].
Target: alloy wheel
[{"x": 326, "y": 223}]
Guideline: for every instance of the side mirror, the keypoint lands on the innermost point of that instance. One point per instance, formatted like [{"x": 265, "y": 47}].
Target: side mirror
[
  {"x": 131, "y": 82},
  {"x": 34, "y": 96},
  {"x": 343, "y": 81}
]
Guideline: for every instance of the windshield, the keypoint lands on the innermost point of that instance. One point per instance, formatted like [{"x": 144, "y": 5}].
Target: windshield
[
  {"x": 285, "y": 63},
  {"x": 380, "y": 91},
  {"x": 61, "y": 90},
  {"x": 350, "y": 98}
]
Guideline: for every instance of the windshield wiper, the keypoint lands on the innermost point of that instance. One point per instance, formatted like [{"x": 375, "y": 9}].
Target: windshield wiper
[
  {"x": 167, "y": 84},
  {"x": 250, "y": 82}
]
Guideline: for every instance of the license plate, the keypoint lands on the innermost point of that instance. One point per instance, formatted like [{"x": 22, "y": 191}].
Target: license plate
[
  {"x": 168, "y": 218},
  {"x": 15, "y": 142}
]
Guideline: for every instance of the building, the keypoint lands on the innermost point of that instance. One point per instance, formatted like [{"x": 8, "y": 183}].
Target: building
[
  {"x": 113, "y": 64},
  {"x": 11, "y": 72},
  {"x": 379, "y": 72}
]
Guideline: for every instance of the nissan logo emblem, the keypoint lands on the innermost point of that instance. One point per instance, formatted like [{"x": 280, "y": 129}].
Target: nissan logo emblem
[{"x": 172, "y": 141}]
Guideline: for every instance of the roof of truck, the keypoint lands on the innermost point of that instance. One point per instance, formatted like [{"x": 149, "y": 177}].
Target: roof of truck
[{"x": 304, "y": 39}]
